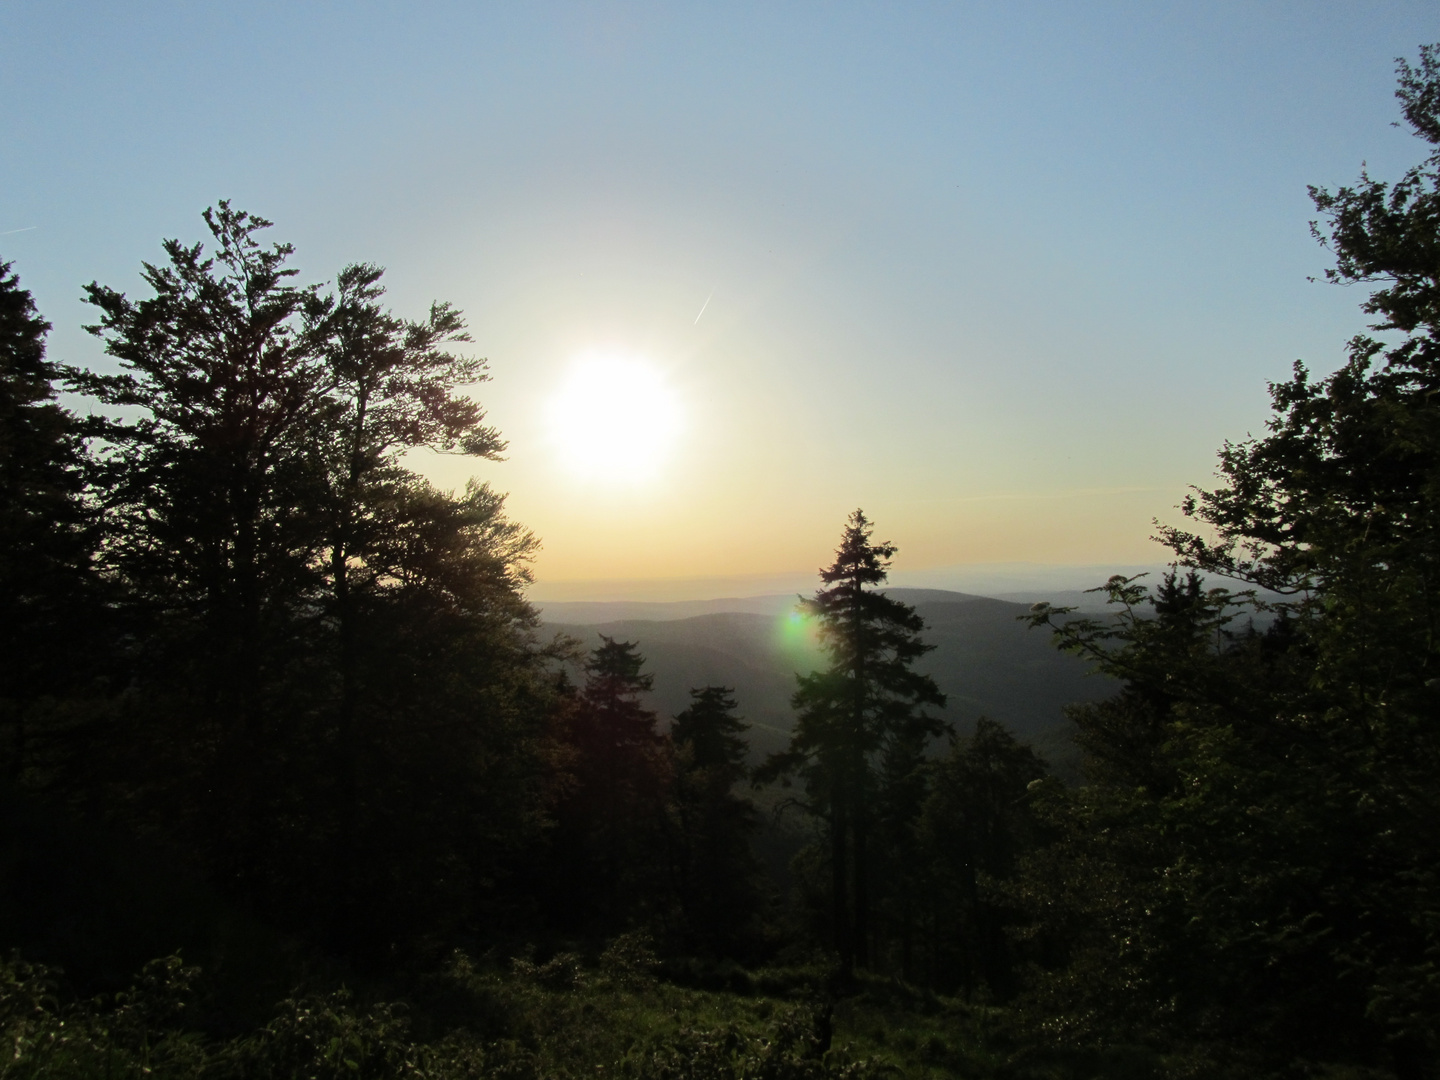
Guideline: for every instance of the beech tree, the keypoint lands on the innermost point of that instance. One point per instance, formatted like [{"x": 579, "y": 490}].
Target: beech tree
[
  {"x": 205, "y": 481},
  {"x": 328, "y": 654},
  {"x": 391, "y": 386},
  {"x": 869, "y": 704},
  {"x": 1251, "y": 868}
]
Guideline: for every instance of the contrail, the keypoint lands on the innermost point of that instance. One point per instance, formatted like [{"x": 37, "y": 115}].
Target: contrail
[
  {"x": 31, "y": 228},
  {"x": 703, "y": 307}
]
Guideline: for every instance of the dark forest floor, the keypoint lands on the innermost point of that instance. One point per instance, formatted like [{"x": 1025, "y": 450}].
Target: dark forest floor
[{"x": 616, "y": 1016}]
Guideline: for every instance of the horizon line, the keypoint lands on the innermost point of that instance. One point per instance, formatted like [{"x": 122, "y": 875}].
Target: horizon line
[{"x": 977, "y": 578}]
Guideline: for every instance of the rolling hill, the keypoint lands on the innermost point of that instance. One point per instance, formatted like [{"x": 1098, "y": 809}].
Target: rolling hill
[{"x": 985, "y": 660}]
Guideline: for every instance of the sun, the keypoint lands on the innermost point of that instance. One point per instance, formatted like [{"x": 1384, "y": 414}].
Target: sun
[{"x": 615, "y": 420}]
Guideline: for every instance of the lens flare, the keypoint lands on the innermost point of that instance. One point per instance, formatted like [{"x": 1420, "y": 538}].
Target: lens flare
[
  {"x": 615, "y": 420},
  {"x": 798, "y": 637}
]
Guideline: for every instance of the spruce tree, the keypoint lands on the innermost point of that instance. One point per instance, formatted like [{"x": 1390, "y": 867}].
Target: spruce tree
[
  {"x": 47, "y": 615},
  {"x": 869, "y": 704},
  {"x": 716, "y": 874},
  {"x": 609, "y": 847}
]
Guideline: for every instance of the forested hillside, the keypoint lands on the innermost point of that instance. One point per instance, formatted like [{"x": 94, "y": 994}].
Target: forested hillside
[{"x": 985, "y": 659}]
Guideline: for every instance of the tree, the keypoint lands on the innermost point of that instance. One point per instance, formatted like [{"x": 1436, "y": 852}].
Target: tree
[
  {"x": 392, "y": 386},
  {"x": 335, "y": 692},
  {"x": 47, "y": 611},
  {"x": 1252, "y": 866},
  {"x": 868, "y": 704},
  {"x": 975, "y": 825},
  {"x": 207, "y": 488},
  {"x": 717, "y": 875},
  {"x": 451, "y": 702},
  {"x": 713, "y": 733},
  {"x": 1338, "y": 507},
  {"x": 609, "y": 843}
]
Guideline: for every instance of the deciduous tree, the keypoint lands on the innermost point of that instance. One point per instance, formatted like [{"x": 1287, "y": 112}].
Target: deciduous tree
[{"x": 1252, "y": 866}]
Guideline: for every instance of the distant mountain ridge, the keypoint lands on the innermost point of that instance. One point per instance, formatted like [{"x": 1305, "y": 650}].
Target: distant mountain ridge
[
  {"x": 985, "y": 659},
  {"x": 588, "y": 612}
]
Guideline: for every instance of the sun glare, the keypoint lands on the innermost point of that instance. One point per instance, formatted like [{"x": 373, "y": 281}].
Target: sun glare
[{"x": 615, "y": 420}]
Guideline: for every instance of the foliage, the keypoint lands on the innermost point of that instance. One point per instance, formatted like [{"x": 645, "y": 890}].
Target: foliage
[
  {"x": 240, "y": 625},
  {"x": 605, "y": 1019},
  {"x": 860, "y": 723},
  {"x": 717, "y": 877},
  {"x": 974, "y": 827},
  {"x": 329, "y": 690},
  {"x": 1251, "y": 868},
  {"x": 50, "y": 616},
  {"x": 607, "y": 853}
]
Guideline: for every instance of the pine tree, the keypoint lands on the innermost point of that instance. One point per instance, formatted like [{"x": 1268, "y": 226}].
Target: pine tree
[
  {"x": 867, "y": 705},
  {"x": 47, "y": 615}
]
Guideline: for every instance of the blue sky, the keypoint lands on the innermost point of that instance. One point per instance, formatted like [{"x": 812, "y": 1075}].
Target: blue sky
[{"x": 1004, "y": 275}]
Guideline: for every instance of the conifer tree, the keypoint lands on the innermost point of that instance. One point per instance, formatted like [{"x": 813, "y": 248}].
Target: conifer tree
[
  {"x": 869, "y": 703},
  {"x": 974, "y": 827},
  {"x": 611, "y": 820},
  {"x": 716, "y": 874},
  {"x": 47, "y": 623}
]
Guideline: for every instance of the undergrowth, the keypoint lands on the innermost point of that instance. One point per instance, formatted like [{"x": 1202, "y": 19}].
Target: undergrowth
[{"x": 620, "y": 1015}]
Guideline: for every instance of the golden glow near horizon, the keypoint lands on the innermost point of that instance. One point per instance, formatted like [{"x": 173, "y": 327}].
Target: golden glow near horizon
[
  {"x": 615, "y": 421},
  {"x": 827, "y": 240}
]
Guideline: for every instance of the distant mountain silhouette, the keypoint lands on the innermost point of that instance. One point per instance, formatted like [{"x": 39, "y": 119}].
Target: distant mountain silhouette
[
  {"x": 589, "y": 612},
  {"x": 985, "y": 660}
]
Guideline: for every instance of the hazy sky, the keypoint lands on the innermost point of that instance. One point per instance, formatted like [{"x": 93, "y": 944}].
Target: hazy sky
[{"x": 1005, "y": 275}]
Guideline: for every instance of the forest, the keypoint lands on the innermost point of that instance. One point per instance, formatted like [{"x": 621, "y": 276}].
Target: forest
[{"x": 294, "y": 783}]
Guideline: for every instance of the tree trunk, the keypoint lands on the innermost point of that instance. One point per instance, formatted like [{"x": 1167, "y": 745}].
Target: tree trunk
[
  {"x": 840, "y": 887},
  {"x": 346, "y": 757}
]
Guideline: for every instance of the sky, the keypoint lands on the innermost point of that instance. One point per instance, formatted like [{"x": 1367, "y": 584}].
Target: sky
[{"x": 1004, "y": 275}]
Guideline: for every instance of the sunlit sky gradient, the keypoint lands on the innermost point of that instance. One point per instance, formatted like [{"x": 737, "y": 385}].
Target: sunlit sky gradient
[{"x": 1005, "y": 275}]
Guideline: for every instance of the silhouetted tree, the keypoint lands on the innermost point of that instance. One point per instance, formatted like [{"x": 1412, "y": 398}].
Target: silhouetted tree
[
  {"x": 391, "y": 386},
  {"x": 451, "y": 702},
  {"x": 336, "y": 697},
  {"x": 868, "y": 704},
  {"x": 1252, "y": 866},
  {"x": 610, "y": 836},
  {"x": 209, "y": 493},
  {"x": 974, "y": 826},
  {"x": 717, "y": 875},
  {"x": 713, "y": 733},
  {"x": 48, "y": 612}
]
